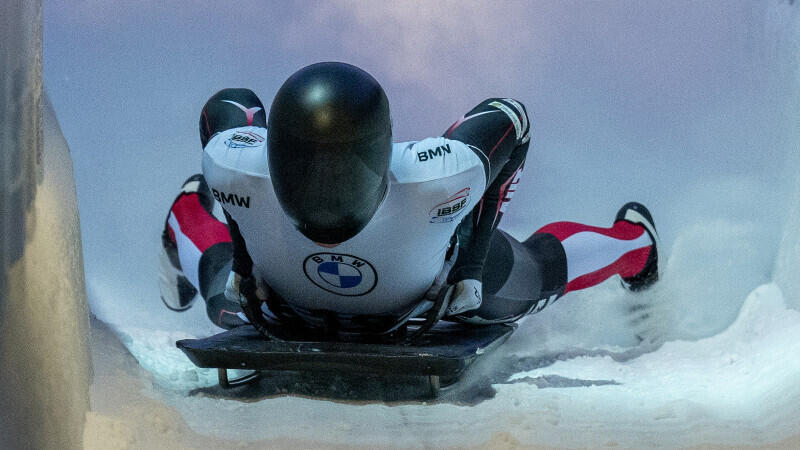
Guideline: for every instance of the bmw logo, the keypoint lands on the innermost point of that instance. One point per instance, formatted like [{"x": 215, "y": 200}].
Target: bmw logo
[{"x": 340, "y": 273}]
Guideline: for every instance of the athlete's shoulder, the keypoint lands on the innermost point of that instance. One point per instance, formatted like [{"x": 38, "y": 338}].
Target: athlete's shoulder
[
  {"x": 432, "y": 158},
  {"x": 241, "y": 149}
]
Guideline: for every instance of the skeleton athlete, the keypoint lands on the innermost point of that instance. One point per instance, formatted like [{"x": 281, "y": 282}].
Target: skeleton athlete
[{"x": 331, "y": 224}]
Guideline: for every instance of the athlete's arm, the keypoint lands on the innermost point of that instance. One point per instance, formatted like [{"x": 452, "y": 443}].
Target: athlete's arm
[
  {"x": 498, "y": 131},
  {"x": 242, "y": 263},
  {"x": 241, "y": 286}
]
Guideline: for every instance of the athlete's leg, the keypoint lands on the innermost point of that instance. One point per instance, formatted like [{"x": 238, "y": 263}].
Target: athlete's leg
[
  {"x": 199, "y": 246},
  {"x": 595, "y": 254},
  {"x": 524, "y": 277}
]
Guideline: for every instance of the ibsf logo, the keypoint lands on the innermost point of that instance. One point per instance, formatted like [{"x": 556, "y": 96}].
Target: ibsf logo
[
  {"x": 450, "y": 209},
  {"x": 340, "y": 274},
  {"x": 242, "y": 139}
]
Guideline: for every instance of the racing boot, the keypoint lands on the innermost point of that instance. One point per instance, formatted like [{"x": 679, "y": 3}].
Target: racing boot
[
  {"x": 636, "y": 213},
  {"x": 177, "y": 292}
]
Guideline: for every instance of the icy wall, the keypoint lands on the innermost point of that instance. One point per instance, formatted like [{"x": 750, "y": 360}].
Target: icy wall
[{"x": 44, "y": 355}]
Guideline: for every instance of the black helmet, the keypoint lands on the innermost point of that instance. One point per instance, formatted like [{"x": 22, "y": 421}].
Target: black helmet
[
  {"x": 230, "y": 108},
  {"x": 329, "y": 144}
]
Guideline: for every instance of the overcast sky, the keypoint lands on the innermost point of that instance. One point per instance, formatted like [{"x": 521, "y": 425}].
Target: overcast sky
[{"x": 650, "y": 100}]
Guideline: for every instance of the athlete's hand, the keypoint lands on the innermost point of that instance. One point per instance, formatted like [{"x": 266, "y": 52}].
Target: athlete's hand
[
  {"x": 232, "y": 291},
  {"x": 463, "y": 296},
  {"x": 233, "y": 288}
]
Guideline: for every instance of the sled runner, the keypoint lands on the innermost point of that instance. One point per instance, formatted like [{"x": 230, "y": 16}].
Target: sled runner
[{"x": 441, "y": 354}]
